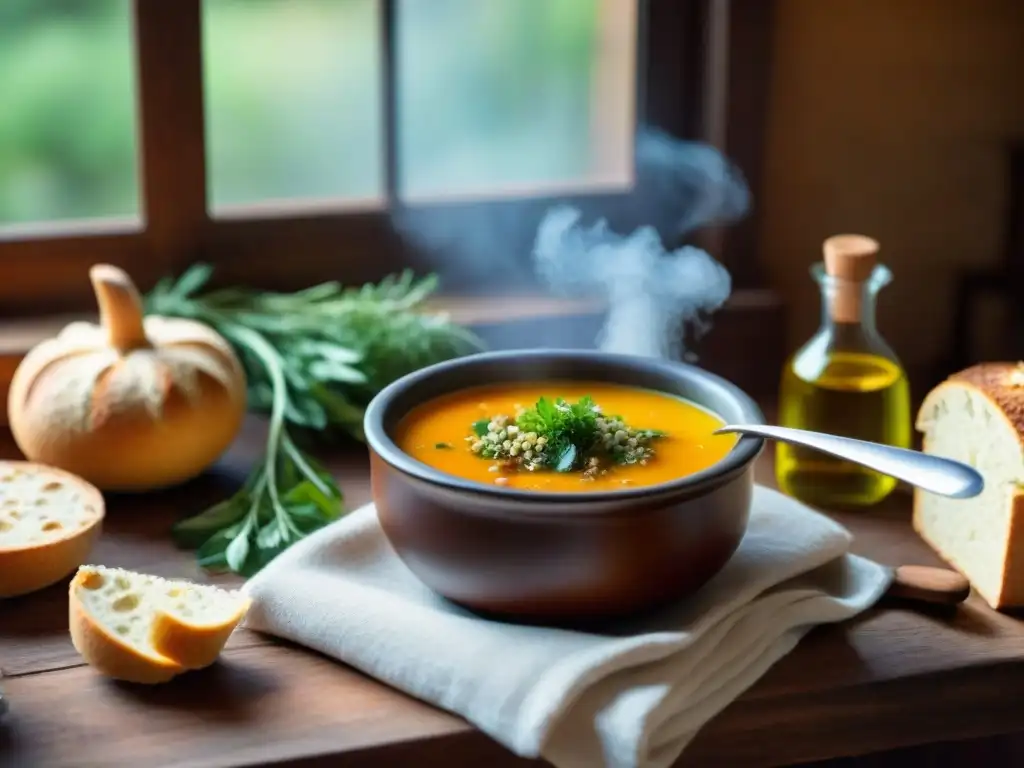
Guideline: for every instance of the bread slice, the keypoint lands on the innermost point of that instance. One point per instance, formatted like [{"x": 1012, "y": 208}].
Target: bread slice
[
  {"x": 49, "y": 521},
  {"x": 145, "y": 629},
  {"x": 977, "y": 417}
]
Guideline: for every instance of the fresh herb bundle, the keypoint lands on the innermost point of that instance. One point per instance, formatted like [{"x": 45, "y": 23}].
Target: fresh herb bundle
[
  {"x": 562, "y": 436},
  {"x": 313, "y": 360}
]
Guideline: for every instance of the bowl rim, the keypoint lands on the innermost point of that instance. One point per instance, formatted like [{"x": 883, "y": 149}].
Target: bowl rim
[{"x": 745, "y": 450}]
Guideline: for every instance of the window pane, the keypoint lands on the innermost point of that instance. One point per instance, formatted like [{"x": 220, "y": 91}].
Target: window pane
[
  {"x": 293, "y": 103},
  {"x": 514, "y": 94},
  {"x": 67, "y": 111}
]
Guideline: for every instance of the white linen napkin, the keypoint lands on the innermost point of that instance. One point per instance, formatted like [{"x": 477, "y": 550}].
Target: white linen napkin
[{"x": 632, "y": 699}]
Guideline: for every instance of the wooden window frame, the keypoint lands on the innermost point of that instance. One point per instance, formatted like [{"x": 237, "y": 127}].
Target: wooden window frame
[{"x": 701, "y": 74}]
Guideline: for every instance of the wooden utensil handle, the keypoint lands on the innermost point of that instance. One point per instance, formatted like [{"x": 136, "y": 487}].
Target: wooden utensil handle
[{"x": 925, "y": 584}]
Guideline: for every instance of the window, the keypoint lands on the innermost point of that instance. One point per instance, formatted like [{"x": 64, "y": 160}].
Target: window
[
  {"x": 293, "y": 104},
  {"x": 286, "y": 141},
  {"x": 58, "y": 60}
]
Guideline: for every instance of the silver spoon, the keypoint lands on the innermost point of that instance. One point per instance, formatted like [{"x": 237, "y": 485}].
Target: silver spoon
[{"x": 945, "y": 477}]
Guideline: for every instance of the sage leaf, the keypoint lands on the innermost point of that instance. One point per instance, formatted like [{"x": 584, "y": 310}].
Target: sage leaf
[
  {"x": 193, "y": 531},
  {"x": 238, "y": 550},
  {"x": 308, "y": 493},
  {"x": 271, "y": 536},
  {"x": 332, "y": 352},
  {"x": 308, "y": 518},
  {"x": 306, "y": 412},
  {"x": 212, "y": 554},
  {"x": 326, "y": 370}
]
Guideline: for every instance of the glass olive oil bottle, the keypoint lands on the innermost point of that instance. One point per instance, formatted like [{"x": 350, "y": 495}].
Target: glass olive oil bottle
[{"x": 845, "y": 381}]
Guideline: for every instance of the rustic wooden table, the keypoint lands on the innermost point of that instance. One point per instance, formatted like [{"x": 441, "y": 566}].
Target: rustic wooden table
[{"x": 892, "y": 678}]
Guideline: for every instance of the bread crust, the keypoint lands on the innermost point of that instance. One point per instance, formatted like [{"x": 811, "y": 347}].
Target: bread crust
[
  {"x": 193, "y": 645},
  {"x": 30, "y": 568},
  {"x": 1002, "y": 384},
  {"x": 1012, "y": 593}
]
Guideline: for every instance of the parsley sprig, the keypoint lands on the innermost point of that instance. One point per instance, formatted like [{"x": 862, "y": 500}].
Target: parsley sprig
[{"x": 570, "y": 429}]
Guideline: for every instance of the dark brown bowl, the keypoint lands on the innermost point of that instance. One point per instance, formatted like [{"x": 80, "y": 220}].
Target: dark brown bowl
[{"x": 561, "y": 557}]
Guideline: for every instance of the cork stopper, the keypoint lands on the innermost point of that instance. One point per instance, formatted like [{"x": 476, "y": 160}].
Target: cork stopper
[{"x": 849, "y": 260}]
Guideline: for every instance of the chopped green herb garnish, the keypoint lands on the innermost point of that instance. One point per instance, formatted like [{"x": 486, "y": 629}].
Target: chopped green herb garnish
[
  {"x": 443, "y": 446},
  {"x": 563, "y": 437}
]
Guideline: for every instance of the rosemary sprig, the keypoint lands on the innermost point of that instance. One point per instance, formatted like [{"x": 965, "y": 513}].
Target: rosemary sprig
[{"x": 313, "y": 360}]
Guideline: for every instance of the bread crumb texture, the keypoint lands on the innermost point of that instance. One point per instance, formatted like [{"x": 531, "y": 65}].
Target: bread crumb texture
[
  {"x": 128, "y": 619},
  {"x": 39, "y": 506},
  {"x": 977, "y": 417},
  {"x": 127, "y": 602}
]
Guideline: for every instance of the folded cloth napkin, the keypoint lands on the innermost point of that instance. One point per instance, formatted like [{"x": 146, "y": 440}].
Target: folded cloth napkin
[{"x": 632, "y": 698}]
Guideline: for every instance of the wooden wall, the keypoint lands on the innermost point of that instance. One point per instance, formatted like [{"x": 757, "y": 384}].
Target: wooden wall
[{"x": 889, "y": 118}]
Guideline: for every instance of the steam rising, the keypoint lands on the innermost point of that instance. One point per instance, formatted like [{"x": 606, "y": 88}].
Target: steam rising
[{"x": 653, "y": 293}]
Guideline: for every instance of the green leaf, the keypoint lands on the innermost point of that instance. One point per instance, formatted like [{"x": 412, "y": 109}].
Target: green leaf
[
  {"x": 331, "y": 352},
  {"x": 443, "y": 446},
  {"x": 271, "y": 536},
  {"x": 214, "y": 561},
  {"x": 481, "y": 427},
  {"x": 238, "y": 550},
  {"x": 547, "y": 411},
  {"x": 338, "y": 408},
  {"x": 327, "y": 370},
  {"x": 212, "y": 554},
  {"x": 194, "y": 278},
  {"x": 566, "y": 459},
  {"x": 193, "y": 531},
  {"x": 308, "y": 518},
  {"x": 307, "y": 492},
  {"x": 306, "y": 412}
]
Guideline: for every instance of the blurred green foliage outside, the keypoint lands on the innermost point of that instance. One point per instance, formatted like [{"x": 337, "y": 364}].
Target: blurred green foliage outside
[{"x": 492, "y": 92}]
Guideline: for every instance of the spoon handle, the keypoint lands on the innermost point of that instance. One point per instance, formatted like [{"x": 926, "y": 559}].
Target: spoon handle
[{"x": 931, "y": 473}]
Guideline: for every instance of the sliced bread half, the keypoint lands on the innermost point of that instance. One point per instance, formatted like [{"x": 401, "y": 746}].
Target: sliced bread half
[
  {"x": 49, "y": 521},
  {"x": 145, "y": 629},
  {"x": 977, "y": 416}
]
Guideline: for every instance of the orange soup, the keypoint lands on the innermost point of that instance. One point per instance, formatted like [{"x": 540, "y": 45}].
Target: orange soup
[{"x": 638, "y": 437}]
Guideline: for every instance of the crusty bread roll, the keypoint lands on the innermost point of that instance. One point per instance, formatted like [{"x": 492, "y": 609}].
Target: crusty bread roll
[
  {"x": 977, "y": 417},
  {"x": 134, "y": 403},
  {"x": 145, "y": 629},
  {"x": 49, "y": 520}
]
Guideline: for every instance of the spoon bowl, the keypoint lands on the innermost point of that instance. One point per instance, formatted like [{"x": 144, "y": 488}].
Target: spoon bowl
[{"x": 935, "y": 474}]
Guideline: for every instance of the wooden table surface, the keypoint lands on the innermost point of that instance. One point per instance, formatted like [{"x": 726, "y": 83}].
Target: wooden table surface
[{"x": 892, "y": 677}]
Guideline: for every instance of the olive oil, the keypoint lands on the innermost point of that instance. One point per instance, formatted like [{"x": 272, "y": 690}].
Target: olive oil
[
  {"x": 844, "y": 381},
  {"x": 852, "y": 394}
]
